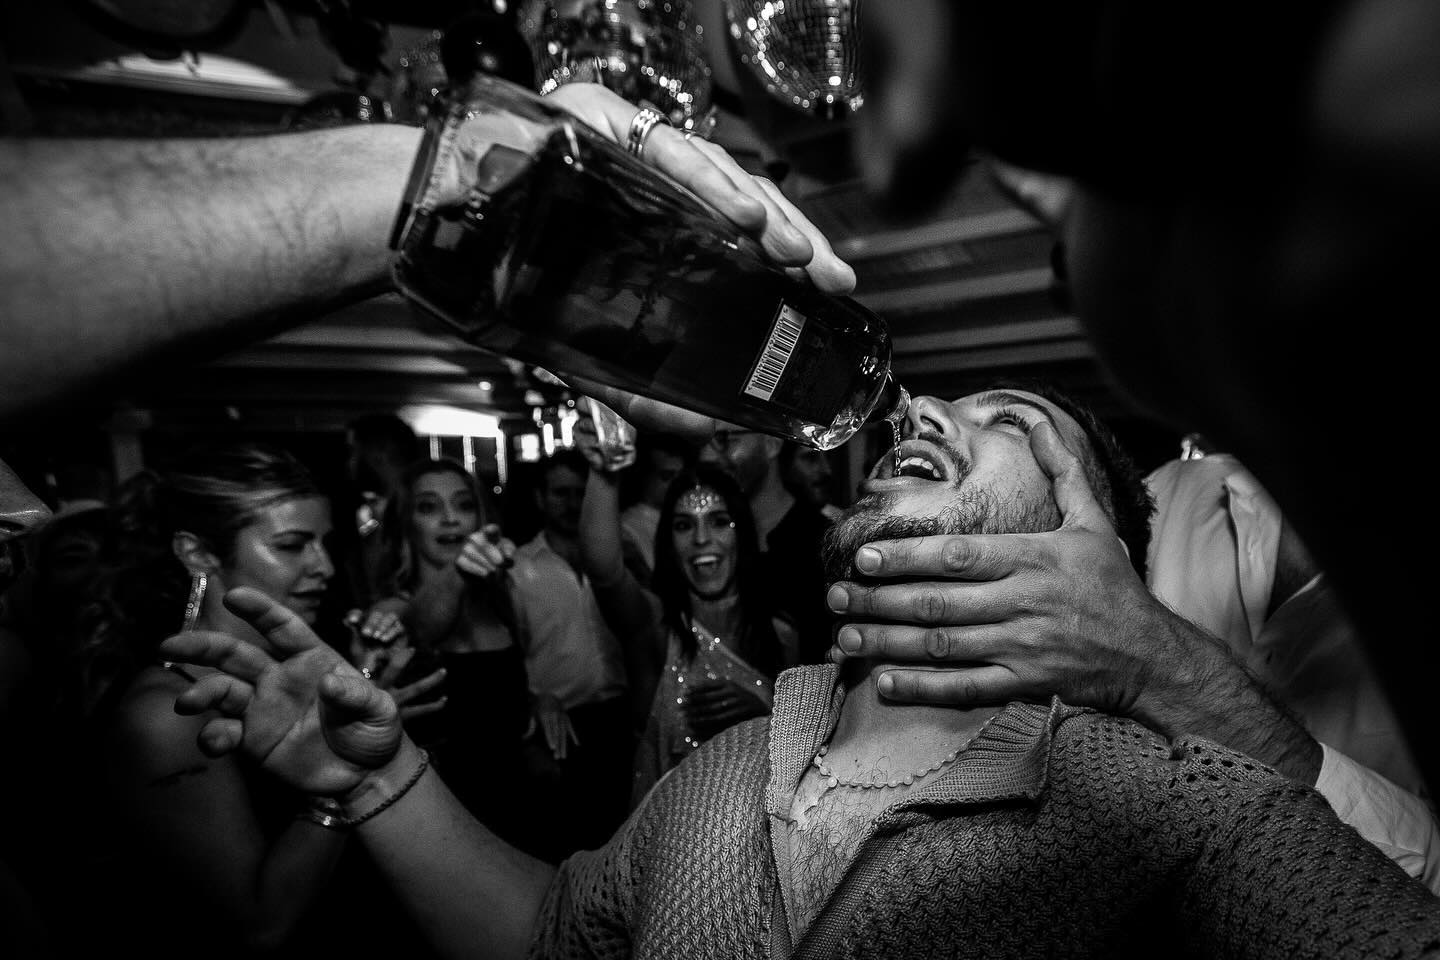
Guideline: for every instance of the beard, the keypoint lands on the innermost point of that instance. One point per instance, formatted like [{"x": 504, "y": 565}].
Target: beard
[{"x": 972, "y": 511}]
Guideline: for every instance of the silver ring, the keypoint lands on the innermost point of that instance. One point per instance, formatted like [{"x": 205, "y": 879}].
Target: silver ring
[{"x": 640, "y": 128}]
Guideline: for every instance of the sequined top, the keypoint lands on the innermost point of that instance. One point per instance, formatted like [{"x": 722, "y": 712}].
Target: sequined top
[{"x": 667, "y": 737}]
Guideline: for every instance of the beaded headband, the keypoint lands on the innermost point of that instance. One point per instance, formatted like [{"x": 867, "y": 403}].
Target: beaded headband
[{"x": 700, "y": 499}]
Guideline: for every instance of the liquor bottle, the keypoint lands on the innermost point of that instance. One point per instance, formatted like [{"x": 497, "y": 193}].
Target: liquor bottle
[{"x": 568, "y": 253}]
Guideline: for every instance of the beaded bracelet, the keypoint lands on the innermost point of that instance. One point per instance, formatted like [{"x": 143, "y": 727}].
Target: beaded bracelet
[{"x": 334, "y": 821}]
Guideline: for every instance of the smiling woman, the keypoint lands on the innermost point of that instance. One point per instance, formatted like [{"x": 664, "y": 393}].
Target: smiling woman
[{"x": 702, "y": 643}]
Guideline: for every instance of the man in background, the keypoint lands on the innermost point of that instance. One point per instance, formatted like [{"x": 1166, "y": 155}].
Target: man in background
[{"x": 576, "y": 671}]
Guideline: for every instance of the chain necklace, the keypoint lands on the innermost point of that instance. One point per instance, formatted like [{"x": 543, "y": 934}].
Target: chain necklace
[{"x": 831, "y": 780}]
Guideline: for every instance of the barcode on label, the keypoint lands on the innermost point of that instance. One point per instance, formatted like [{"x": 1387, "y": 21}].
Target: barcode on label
[{"x": 776, "y": 355}]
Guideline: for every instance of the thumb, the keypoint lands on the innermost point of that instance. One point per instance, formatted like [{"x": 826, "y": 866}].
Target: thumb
[{"x": 1068, "y": 483}]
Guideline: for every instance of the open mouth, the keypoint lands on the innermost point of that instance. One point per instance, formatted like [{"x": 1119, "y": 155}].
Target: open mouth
[
  {"x": 705, "y": 563},
  {"x": 914, "y": 460},
  {"x": 308, "y": 596},
  {"x": 450, "y": 539}
]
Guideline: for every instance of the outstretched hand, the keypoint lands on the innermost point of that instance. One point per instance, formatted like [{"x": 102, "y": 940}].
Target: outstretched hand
[
  {"x": 985, "y": 619},
  {"x": 486, "y": 554},
  {"x": 300, "y": 709}
]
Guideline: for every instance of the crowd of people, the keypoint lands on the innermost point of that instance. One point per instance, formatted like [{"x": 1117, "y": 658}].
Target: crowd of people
[
  {"x": 531, "y": 674},
  {"x": 974, "y": 713}
]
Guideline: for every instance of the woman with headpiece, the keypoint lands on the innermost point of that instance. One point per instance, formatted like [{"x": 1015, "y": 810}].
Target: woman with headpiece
[{"x": 702, "y": 646}]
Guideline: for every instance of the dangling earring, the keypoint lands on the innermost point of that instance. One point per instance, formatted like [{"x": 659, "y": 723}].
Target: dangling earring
[{"x": 197, "y": 596}]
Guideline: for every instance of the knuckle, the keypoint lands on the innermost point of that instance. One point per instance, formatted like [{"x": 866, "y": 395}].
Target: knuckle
[
  {"x": 930, "y": 604},
  {"x": 938, "y": 643},
  {"x": 955, "y": 555}
]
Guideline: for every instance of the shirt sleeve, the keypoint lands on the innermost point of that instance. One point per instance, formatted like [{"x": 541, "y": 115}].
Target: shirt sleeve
[
  {"x": 1283, "y": 877},
  {"x": 1390, "y": 817},
  {"x": 586, "y": 910}
]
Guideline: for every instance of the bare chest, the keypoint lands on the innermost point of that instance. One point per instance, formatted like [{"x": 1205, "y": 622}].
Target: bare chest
[{"x": 828, "y": 826}]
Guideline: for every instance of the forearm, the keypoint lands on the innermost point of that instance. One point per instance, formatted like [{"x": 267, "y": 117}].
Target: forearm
[
  {"x": 628, "y": 608},
  {"x": 468, "y": 890},
  {"x": 297, "y": 868},
  {"x": 127, "y": 248},
  {"x": 601, "y": 551},
  {"x": 1195, "y": 686}
]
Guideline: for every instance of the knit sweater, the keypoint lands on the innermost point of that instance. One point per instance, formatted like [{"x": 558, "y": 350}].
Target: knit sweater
[{"x": 1059, "y": 833}]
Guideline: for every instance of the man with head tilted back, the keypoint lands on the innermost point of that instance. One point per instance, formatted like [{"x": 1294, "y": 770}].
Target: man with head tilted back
[{"x": 849, "y": 825}]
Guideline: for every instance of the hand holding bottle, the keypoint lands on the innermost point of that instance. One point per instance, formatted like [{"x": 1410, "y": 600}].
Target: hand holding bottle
[
  {"x": 753, "y": 203},
  {"x": 698, "y": 286}
]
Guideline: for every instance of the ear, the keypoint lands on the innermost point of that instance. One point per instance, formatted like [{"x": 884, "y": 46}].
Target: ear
[
  {"x": 193, "y": 553},
  {"x": 773, "y": 446}
]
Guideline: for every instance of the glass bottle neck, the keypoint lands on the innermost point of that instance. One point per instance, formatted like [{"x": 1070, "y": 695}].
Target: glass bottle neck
[{"x": 893, "y": 404}]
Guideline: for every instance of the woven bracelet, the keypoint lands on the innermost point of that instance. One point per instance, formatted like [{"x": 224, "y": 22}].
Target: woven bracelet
[{"x": 383, "y": 805}]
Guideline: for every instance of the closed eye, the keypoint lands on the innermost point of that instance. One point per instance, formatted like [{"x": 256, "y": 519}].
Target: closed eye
[{"x": 1012, "y": 417}]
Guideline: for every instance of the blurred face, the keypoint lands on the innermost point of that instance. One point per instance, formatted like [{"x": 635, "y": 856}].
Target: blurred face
[
  {"x": 282, "y": 553},
  {"x": 20, "y": 513},
  {"x": 744, "y": 454},
  {"x": 808, "y": 475},
  {"x": 560, "y": 500},
  {"x": 445, "y": 513},
  {"x": 964, "y": 467},
  {"x": 914, "y": 84},
  {"x": 705, "y": 544},
  {"x": 664, "y": 468}
]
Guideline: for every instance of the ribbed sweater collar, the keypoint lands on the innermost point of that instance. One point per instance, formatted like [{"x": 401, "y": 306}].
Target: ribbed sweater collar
[{"x": 1009, "y": 760}]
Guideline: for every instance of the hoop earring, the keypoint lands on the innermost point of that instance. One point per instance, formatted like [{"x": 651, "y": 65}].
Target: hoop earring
[{"x": 198, "y": 583}]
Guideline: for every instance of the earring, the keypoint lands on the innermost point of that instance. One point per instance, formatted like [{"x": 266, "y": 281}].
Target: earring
[{"x": 197, "y": 596}]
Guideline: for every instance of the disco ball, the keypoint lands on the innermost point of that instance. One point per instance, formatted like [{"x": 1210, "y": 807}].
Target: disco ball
[
  {"x": 647, "y": 51},
  {"x": 478, "y": 42},
  {"x": 804, "y": 51}
]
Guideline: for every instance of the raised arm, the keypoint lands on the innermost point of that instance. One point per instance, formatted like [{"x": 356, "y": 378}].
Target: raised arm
[
  {"x": 631, "y": 611},
  {"x": 309, "y": 717}
]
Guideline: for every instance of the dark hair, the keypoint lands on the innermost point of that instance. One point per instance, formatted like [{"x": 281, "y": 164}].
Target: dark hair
[
  {"x": 564, "y": 457},
  {"x": 647, "y": 444},
  {"x": 397, "y": 567},
  {"x": 1118, "y": 482},
  {"x": 758, "y": 644}
]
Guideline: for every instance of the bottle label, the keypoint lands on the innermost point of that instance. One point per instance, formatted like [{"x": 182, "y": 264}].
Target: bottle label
[
  {"x": 775, "y": 356},
  {"x": 795, "y": 371}
]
